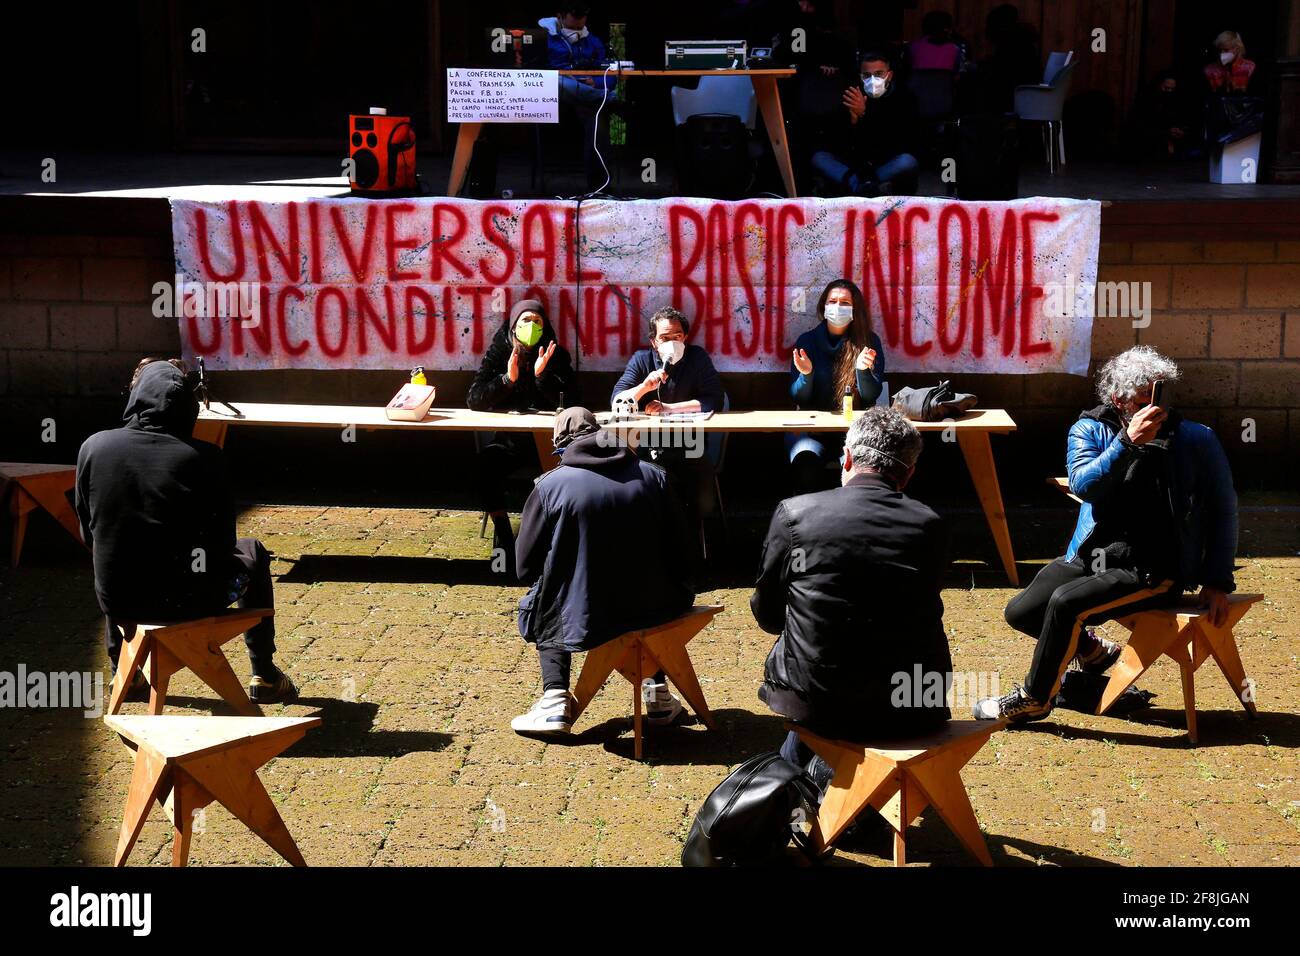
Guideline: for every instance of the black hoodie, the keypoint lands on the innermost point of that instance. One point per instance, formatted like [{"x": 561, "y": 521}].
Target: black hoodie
[
  {"x": 155, "y": 506},
  {"x": 603, "y": 544}
]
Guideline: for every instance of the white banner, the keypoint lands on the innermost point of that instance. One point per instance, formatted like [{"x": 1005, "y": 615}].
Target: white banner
[{"x": 1004, "y": 287}]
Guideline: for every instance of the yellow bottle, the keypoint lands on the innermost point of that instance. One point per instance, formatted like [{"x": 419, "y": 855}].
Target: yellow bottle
[
  {"x": 848, "y": 403},
  {"x": 417, "y": 376}
]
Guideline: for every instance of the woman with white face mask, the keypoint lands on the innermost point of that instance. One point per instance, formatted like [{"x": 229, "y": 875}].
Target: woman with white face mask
[
  {"x": 1231, "y": 71},
  {"x": 840, "y": 353}
]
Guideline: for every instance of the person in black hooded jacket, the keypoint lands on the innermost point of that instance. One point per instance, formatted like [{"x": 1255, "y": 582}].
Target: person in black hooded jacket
[
  {"x": 603, "y": 546},
  {"x": 525, "y": 368},
  {"x": 156, "y": 510}
]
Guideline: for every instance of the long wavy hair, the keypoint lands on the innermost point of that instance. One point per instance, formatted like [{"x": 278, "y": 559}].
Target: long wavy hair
[{"x": 856, "y": 337}]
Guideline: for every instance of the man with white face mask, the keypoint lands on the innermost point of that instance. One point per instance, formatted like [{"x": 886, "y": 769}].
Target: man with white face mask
[
  {"x": 872, "y": 153},
  {"x": 672, "y": 376},
  {"x": 571, "y": 46}
]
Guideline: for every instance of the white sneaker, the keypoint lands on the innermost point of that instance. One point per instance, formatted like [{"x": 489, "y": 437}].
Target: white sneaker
[
  {"x": 661, "y": 706},
  {"x": 550, "y": 715}
]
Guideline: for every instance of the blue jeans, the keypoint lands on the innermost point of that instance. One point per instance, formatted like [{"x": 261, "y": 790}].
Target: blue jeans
[{"x": 890, "y": 175}]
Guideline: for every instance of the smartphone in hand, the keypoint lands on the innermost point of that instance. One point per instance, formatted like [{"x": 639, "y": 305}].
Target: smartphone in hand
[{"x": 1157, "y": 393}]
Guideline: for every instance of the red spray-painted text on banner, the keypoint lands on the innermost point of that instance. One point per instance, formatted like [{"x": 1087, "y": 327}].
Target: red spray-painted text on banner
[{"x": 353, "y": 283}]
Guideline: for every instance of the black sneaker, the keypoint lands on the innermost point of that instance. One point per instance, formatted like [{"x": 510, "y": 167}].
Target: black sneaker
[
  {"x": 1016, "y": 707},
  {"x": 1100, "y": 659},
  {"x": 281, "y": 690}
]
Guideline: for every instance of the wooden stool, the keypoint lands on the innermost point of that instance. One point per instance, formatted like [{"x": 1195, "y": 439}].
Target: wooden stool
[
  {"x": 1063, "y": 485},
  {"x": 1187, "y": 636},
  {"x": 187, "y": 762},
  {"x": 639, "y": 654},
  {"x": 39, "y": 486},
  {"x": 160, "y": 650},
  {"x": 900, "y": 779}
]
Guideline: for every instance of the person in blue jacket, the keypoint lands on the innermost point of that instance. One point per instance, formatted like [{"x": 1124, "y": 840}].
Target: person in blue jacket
[
  {"x": 841, "y": 352},
  {"x": 1159, "y": 517},
  {"x": 571, "y": 46}
]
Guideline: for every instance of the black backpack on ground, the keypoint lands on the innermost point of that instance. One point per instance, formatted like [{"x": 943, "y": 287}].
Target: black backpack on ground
[{"x": 748, "y": 819}]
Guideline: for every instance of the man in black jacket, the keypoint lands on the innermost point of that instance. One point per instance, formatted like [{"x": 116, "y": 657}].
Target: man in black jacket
[
  {"x": 601, "y": 545},
  {"x": 155, "y": 508},
  {"x": 871, "y": 153},
  {"x": 850, "y": 580},
  {"x": 524, "y": 369}
]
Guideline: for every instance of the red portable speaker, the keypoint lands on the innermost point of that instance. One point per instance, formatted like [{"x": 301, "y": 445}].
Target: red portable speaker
[{"x": 383, "y": 153}]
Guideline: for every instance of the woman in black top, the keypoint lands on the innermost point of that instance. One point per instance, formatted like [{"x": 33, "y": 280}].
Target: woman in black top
[{"x": 525, "y": 368}]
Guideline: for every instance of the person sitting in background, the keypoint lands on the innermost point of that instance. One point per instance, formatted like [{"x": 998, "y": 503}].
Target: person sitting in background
[
  {"x": 1164, "y": 121},
  {"x": 1159, "y": 516},
  {"x": 874, "y": 154},
  {"x": 935, "y": 49},
  {"x": 571, "y": 46},
  {"x": 839, "y": 355},
  {"x": 824, "y": 65},
  {"x": 600, "y": 546},
  {"x": 525, "y": 368},
  {"x": 673, "y": 377},
  {"x": 156, "y": 510},
  {"x": 1232, "y": 73},
  {"x": 850, "y": 580}
]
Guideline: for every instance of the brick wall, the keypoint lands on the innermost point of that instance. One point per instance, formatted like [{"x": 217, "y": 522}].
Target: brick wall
[{"x": 75, "y": 317}]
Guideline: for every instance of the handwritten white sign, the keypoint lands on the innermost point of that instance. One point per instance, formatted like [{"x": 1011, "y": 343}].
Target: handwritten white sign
[{"x": 502, "y": 96}]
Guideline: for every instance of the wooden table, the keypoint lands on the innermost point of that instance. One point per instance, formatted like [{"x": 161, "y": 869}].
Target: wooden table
[
  {"x": 971, "y": 432},
  {"x": 38, "y": 486},
  {"x": 769, "y": 105}
]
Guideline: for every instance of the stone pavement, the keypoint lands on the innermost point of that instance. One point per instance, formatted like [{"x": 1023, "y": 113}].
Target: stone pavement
[{"x": 399, "y": 635}]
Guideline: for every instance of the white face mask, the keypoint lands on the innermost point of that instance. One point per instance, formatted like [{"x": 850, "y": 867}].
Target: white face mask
[
  {"x": 838, "y": 315},
  {"x": 573, "y": 35},
  {"x": 874, "y": 86},
  {"x": 671, "y": 352},
  {"x": 1226, "y": 57}
]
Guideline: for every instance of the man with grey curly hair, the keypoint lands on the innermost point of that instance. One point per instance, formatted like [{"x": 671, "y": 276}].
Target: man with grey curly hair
[
  {"x": 850, "y": 580},
  {"x": 1159, "y": 516}
]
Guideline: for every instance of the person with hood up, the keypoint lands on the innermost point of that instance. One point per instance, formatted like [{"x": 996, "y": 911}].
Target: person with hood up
[
  {"x": 156, "y": 510},
  {"x": 584, "y": 587},
  {"x": 524, "y": 369}
]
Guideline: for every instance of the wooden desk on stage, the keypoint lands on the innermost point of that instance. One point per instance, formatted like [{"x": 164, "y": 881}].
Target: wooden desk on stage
[
  {"x": 769, "y": 106},
  {"x": 972, "y": 432}
]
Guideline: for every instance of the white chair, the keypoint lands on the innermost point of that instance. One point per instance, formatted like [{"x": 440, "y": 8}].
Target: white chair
[
  {"x": 1044, "y": 103},
  {"x": 727, "y": 95}
]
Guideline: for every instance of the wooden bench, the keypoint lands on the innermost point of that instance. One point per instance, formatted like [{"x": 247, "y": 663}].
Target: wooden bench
[
  {"x": 160, "y": 650},
  {"x": 1063, "y": 484},
  {"x": 1186, "y": 635},
  {"x": 185, "y": 763},
  {"x": 900, "y": 779},
  {"x": 639, "y": 654},
  {"x": 39, "y": 486}
]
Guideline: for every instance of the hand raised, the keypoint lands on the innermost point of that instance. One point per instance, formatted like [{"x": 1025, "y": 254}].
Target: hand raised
[
  {"x": 1145, "y": 424},
  {"x": 543, "y": 357},
  {"x": 802, "y": 362},
  {"x": 512, "y": 367}
]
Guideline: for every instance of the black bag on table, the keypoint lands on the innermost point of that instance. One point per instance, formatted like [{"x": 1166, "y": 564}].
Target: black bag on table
[
  {"x": 933, "y": 404},
  {"x": 747, "y": 819}
]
